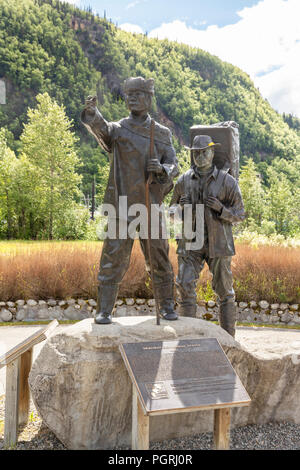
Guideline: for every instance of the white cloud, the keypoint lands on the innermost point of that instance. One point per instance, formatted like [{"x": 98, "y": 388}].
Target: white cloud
[
  {"x": 131, "y": 28},
  {"x": 282, "y": 87},
  {"x": 132, "y": 4},
  {"x": 265, "y": 43},
  {"x": 135, "y": 3}
]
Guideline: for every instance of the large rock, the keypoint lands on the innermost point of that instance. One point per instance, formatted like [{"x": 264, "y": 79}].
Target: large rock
[
  {"x": 83, "y": 393},
  {"x": 5, "y": 315}
]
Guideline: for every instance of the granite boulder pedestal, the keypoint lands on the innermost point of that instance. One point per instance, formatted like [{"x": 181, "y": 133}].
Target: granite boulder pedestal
[{"x": 83, "y": 393}]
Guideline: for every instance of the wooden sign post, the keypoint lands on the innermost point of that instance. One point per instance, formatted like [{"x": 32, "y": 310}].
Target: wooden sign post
[
  {"x": 178, "y": 377},
  {"x": 18, "y": 362}
]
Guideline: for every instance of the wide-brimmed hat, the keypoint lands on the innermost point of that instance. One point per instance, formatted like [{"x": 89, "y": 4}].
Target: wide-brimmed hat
[
  {"x": 139, "y": 83},
  {"x": 202, "y": 142}
]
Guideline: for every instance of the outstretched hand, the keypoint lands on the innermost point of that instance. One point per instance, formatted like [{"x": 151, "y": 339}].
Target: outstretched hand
[
  {"x": 213, "y": 203},
  {"x": 91, "y": 101},
  {"x": 90, "y": 105}
]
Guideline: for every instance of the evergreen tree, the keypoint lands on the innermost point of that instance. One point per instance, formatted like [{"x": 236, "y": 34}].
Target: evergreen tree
[
  {"x": 283, "y": 203},
  {"x": 8, "y": 164},
  {"x": 253, "y": 194}
]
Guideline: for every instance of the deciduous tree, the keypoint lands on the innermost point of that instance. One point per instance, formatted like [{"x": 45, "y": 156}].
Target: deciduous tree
[{"x": 49, "y": 144}]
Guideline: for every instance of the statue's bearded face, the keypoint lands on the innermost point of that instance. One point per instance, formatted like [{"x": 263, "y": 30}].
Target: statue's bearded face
[
  {"x": 203, "y": 158},
  {"x": 138, "y": 101}
]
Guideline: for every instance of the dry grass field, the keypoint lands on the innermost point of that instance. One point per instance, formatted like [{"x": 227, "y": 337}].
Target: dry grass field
[{"x": 42, "y": 270}]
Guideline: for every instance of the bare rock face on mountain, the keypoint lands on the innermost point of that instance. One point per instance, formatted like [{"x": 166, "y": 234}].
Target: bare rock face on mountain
[{"x": 83, "y": 393}]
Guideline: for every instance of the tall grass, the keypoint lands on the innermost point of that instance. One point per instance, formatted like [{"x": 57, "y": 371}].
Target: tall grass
[
  {"x": 42, "y": 270},
  {"x": 48, "y": 269},
  {"x": 267, "y": 272}
]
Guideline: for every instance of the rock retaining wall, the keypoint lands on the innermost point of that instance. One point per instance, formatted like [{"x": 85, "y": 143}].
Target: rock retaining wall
[{"x": 79, "y": 309}]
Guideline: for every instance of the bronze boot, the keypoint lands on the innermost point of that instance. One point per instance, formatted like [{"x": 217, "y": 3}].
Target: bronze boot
[
  {"x": 165, "y": 293},
  {"x": 107, "y": 294},
  {"x": 227, "y": 317},
  {"x": 186, "y": 297},
  {"x": 187, "y": 310}
]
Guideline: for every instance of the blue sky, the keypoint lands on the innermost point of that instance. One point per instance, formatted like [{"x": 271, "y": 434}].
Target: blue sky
[
  {"x": 262, "y": 37},
  {"x": 150, "y": 14}
]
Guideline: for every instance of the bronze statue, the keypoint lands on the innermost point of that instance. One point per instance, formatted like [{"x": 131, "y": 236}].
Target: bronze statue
[
  {"x": 205, "y": 184},
  {"x": 129, "y": 141}
]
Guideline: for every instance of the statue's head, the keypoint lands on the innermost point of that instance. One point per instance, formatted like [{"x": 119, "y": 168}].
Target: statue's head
[
  {"x": 203, "y": 151},
  {"x": 139, "y": 93}
]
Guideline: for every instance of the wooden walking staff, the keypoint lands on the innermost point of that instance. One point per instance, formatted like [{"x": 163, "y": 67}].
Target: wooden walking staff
[{"x": 148, "y": 205}]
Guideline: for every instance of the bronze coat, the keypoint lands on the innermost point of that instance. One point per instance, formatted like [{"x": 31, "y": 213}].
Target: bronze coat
[
  {"x": 219, "y": 226},
  {"x": 129, "y": 145}
]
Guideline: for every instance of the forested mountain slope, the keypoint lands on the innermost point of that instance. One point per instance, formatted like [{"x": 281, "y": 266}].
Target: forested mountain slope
[{"x": 47, "y": 45}]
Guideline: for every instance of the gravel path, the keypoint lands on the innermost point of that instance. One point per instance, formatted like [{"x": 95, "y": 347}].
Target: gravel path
[
  {"x": 34, "y": 436},
  {"x": 272, "y": 436}
]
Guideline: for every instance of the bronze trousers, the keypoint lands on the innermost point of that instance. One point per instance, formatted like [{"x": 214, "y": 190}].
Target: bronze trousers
[
  {"x": 190, "y": 265},
  {"x": 114, "y": 263}
]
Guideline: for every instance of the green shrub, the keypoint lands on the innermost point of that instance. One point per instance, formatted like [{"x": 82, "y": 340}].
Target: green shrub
[{"x": 73, "y": 224}]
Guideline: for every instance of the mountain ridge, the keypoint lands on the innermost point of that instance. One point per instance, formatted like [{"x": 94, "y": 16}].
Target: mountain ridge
[{"x": 47, "y": 45}]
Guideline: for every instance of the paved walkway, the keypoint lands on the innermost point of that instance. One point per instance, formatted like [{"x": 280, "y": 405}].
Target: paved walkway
[{"x": 270, "y": 343}]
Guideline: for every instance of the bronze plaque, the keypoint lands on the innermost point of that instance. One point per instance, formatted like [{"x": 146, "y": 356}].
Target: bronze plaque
[{"x": 178, "y": 375}]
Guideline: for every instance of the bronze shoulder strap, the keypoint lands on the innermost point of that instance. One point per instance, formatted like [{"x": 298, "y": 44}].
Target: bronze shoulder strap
[{"x": 219, "y": 182}]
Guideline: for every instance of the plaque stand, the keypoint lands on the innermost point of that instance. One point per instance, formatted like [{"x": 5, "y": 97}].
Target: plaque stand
[
  {"x": 140, "y": 426},
  {"x": 181, "y": 376},
  {"x": 222, "y": 429}
]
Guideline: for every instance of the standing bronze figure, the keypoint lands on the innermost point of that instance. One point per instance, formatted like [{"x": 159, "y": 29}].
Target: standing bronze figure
[
  {"x": 128, "y": 140},
  {"x": 223, "y": 206}
]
